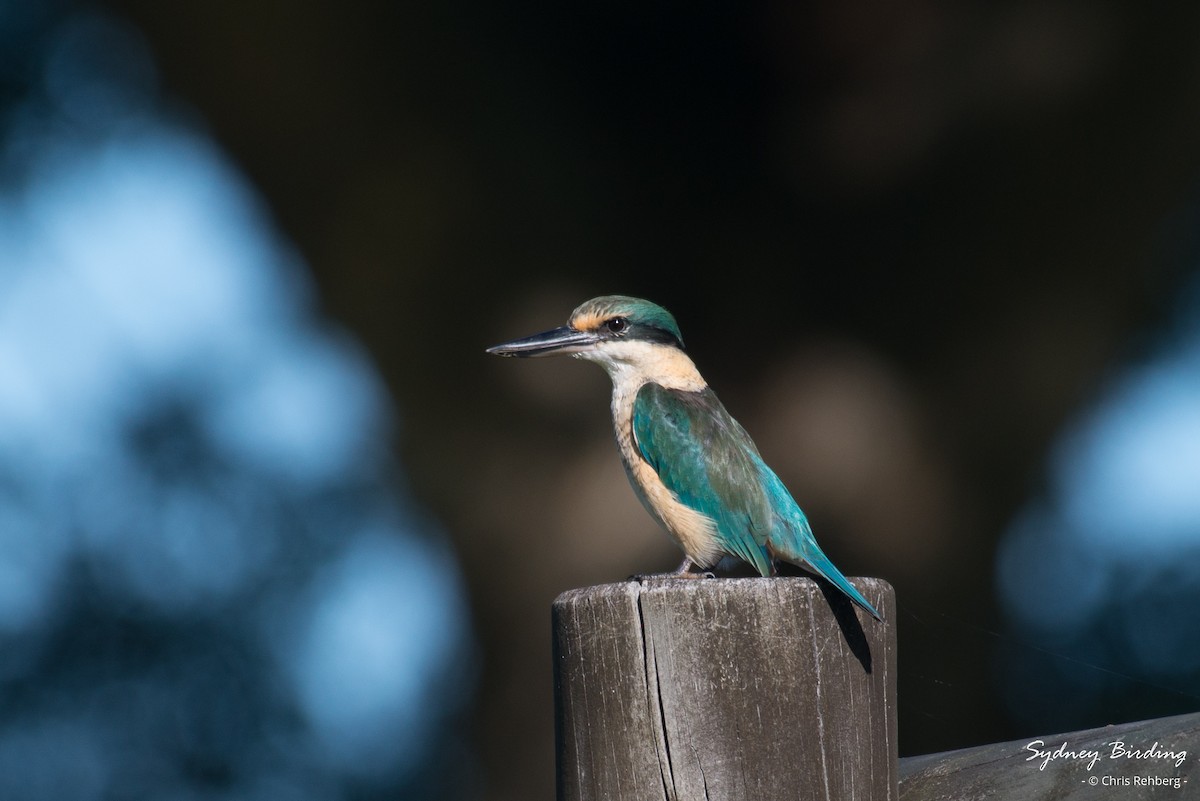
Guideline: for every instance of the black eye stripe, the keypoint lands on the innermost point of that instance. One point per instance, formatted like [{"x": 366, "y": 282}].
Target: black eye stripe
[
  {"x": 624, "y": 328},
  {"x": 616, "y": 325}
]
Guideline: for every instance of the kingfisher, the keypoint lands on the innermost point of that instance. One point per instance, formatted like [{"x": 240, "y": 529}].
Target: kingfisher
[{"x": 693, "y": 467}]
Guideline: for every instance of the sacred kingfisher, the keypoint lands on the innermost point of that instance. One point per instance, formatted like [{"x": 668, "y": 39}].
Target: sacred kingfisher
[{"x": 692, "y": 466}]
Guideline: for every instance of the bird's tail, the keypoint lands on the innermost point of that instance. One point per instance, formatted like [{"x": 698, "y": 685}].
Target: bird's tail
[
  {"x": 816, "y": 559},
  {"x": 792, "y": 540}
]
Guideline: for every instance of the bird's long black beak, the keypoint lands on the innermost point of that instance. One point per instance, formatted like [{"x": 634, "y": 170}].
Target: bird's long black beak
[{"x": 549, "y": 343}]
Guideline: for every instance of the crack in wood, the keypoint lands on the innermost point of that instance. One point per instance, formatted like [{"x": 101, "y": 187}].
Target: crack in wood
[{"x": 654, "y": 701}]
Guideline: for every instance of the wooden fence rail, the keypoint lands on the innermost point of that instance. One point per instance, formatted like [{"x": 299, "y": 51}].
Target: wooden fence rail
[
  {"x": 724, "y": 690},
  {"x": 1152, "y": 759}
]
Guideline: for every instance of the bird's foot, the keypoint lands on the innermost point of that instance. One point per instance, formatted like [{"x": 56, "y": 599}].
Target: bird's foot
[
  {"x": 644, "y": 577},
  {"x": 687, "y": 570},
  {"x": 692, "y": 574}
]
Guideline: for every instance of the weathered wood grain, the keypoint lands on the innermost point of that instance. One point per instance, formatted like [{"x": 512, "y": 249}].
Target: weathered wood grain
[
  {"x": 1088, "y": 766},
  {"x": 724, "y": 689}
]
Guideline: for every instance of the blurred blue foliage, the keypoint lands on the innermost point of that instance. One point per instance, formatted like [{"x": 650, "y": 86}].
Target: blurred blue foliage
[
  {"x": 1103, "y": 570},
  {"x": 211, "y": 582}
]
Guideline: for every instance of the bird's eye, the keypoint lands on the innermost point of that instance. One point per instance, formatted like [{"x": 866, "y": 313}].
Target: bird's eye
[{"x": 616, "y": 325}]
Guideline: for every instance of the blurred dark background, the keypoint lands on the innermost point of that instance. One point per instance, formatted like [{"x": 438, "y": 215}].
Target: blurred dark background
[{"x": 273, "y": 526}]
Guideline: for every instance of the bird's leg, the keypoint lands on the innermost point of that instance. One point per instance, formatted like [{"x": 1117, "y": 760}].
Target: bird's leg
[{"x": 690, "y": 570}]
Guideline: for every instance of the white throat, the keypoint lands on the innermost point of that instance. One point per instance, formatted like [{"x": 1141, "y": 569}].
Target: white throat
[{"x": 632, "y": 363}]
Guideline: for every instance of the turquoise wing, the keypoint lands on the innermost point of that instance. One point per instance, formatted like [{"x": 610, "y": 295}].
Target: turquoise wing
[{"x": 703, "y": 456}]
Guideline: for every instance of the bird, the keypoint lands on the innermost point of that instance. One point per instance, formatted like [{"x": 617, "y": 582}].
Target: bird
[{"x": 692, "y": 466}]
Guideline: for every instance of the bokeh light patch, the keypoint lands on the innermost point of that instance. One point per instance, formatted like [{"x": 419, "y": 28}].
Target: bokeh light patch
[{"x": 212, "y": 583}]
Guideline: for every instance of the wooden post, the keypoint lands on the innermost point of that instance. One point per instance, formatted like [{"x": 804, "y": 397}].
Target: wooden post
[{"x": 723, "y": 689}]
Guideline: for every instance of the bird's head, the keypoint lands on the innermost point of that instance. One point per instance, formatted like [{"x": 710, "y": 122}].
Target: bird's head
[{"x": 611, "y": 330}]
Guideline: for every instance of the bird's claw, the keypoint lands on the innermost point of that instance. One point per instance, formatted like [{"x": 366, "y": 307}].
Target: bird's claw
[{"x": 642, "y": 578}]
